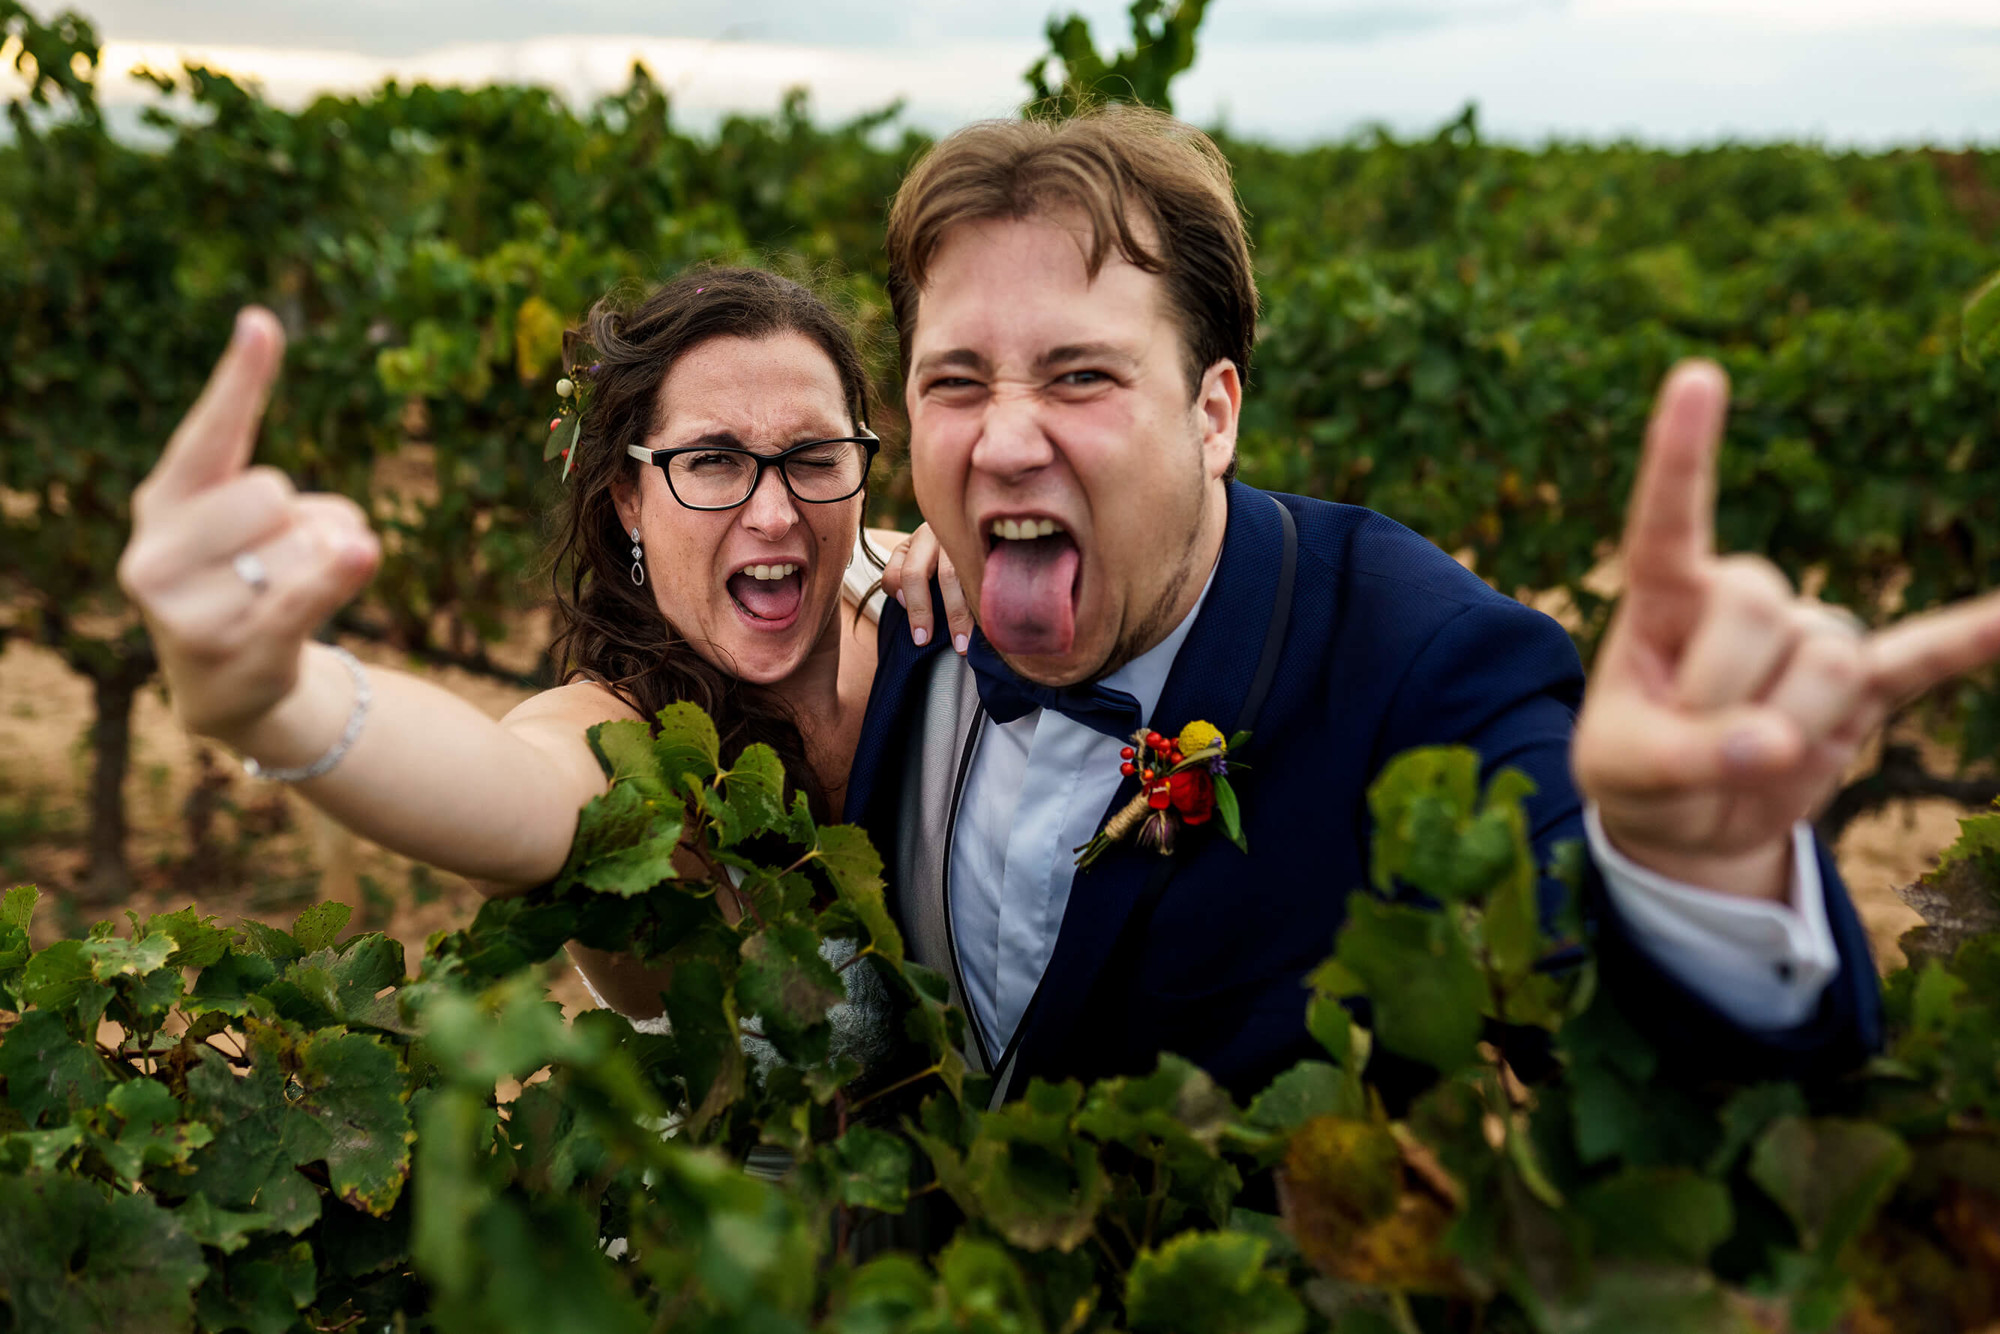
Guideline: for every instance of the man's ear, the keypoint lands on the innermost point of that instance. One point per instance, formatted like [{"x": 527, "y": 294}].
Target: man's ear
[{"x": 1219, "y": 405}]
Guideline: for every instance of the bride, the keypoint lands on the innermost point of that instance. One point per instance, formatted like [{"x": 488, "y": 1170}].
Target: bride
[{"x": 709, "y": 537}]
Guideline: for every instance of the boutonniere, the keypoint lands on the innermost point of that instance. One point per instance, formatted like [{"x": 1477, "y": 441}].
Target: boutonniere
[{"x": 1183, "y": 780}]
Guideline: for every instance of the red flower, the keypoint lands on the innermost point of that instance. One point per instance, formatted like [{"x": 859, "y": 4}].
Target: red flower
[
  {"x": 1159, "y": 791},
  {"x": 1192, "y": 792}
]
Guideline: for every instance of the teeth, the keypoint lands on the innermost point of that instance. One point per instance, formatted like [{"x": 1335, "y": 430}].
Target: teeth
[
  {"x": 1023, "y": 530},
  {"x": 771, "y": 571}
]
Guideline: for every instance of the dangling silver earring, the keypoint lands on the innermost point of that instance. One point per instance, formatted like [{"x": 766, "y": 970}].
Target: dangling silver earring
[{"x": 638, "y": 559}]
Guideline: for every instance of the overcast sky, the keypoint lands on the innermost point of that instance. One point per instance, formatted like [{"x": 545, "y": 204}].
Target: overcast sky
[{"x": 1672, "y": 71}]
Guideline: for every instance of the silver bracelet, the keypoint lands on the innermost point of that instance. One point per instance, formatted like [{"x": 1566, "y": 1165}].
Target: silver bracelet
[{"x": 363, "y": 696}]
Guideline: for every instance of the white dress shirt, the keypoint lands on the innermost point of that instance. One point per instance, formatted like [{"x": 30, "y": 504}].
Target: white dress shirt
[{"x": 1039, "y": 786}]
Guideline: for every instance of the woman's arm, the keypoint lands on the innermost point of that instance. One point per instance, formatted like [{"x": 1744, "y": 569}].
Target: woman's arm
[
  {"x": 234, "y": 570},
  {"x": 432, "y": 777}
]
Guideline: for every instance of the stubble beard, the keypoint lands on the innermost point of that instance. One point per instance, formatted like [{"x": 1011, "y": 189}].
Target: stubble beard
[{"x": 1160, "y": 620}]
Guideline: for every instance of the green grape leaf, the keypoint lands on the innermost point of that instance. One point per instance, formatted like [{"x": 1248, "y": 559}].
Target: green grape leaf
[
  {"x": 1745, "y": 1116},
  {"x": 49, "y": 1074},
  {"x": 625, "y": 842},
  {"x": 1210, "y": 1283},
  {"x": 884, "y": 1295},
  {"x": 273, "y": 944},
  {"x": 319, "y": 926},
  {"x": 871, "y": 1169},
  {"x": 1415, "y": 969},
  {"x": 853, "y": 866},
  {"x": 788, "y": 987},
  {"x": 1828, "y": 1175},
  {"x": 260, "y": 1291},
  {"x": 753, "y": 797},
  {"x": 686, "y": 744},
  {"x": 62, "y": 980},
  {"x": 1664, "y": 1215},
  {"x": 79, "y": 1260},
  {"x": 1328, "y": 1020},
  {"x": 1307, "y": 1090},
  {"x": 1035, "y": 1182},
  {"x": 702, "y": 1008},
  {"x": 1620, "y": 1110},
  {"x": 232, "y": 983},
  {"x": 225, "y": 1229},
  {"x": 1346, "y": 1205},
  {"x": 985, "y": 1290},
  {"x": 15, "y": 950},
  {"x": 17, "y": 909},
  {"x": 260, "y": 1136},
  {"x": 1432, "y": 833},
  {"x": 626, "y": 752},
  {"x": 152, "y": 1133},
  {"x": 42, "y": 1150},
  {"x": 198, "y": 941},
  {"x": 354, "y": 1088}
]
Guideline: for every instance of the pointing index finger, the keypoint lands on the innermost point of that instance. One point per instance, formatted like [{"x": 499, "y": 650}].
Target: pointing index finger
[
  {"x": 214, "y": 441},
  {"x": 1670, "y": 528}
]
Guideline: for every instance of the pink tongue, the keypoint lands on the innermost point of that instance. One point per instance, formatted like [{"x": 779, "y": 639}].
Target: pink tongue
[
  {"x": 768, "y": 599},
  {"x": 1024, "y": 596}
]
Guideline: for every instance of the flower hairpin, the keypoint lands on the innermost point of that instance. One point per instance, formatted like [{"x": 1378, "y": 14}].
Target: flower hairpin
[
  {"x": 1183, "y": 782},
  {"x": 568, "y": 421}
]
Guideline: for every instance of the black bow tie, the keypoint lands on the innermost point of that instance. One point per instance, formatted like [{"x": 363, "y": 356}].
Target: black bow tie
[{"x": 1008, "y": 696}]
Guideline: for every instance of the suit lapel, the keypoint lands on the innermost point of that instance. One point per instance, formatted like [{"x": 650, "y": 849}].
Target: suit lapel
[
  {"x": 892, "y": 704},
  {"x": 1211, "y": 678}
]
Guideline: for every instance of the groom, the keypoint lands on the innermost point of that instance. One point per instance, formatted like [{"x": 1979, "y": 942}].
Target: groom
[{"x": 1076, "y": 308}]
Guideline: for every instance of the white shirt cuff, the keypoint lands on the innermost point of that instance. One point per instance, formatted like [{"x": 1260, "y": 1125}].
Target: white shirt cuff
[{"x": 1763, "y": 964}]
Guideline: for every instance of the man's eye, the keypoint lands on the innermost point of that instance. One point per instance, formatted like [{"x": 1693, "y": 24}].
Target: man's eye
[
  {"x": 1082, "y": 378},
  {"x": 953, "y": 382}
]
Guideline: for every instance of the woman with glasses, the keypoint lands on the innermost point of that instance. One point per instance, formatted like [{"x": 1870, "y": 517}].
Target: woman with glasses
[{"x": 710, "y": 536}]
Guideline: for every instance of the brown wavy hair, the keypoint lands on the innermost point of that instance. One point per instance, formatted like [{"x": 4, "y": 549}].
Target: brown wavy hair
[{"x": 608, "y": 629}]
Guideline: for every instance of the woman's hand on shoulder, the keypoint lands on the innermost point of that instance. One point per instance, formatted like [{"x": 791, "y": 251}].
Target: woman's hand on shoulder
[
  {"x": 231, "y": 567},
  {"x": 913, "y": 564}
]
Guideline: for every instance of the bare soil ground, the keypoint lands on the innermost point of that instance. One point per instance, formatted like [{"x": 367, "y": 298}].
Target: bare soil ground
[{"x": 266, "y": 854}]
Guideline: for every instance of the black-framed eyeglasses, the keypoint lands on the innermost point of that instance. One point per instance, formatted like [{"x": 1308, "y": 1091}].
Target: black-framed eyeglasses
[{"x": 721, "y": 477}]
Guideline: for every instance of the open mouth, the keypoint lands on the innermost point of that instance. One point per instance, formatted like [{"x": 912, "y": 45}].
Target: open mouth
[
  {"x": 768, "y": 595},
  {"x": 1028, "y": 590}
]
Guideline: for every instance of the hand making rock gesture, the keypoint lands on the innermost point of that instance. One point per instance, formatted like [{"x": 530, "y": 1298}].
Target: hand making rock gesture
[
  {"x": 232, "y": 568},
  {"x": 1724, "y": 707}
]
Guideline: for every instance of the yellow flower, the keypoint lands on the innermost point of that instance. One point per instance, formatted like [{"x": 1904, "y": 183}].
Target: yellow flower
[{"x": 1199, "y": 736}]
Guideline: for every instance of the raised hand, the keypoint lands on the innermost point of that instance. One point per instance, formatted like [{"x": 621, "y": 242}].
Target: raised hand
[
  {"x": 907, "y": 578},
  {"x": 1723, "y": 707},
  {"x": 232, "y": 568}
]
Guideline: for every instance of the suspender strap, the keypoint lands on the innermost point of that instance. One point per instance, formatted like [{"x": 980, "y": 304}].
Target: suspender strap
[{"x": 1274, "y": 630}]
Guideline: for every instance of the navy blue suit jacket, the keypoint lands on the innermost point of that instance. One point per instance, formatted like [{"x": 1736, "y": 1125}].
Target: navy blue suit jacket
[{"x": 1388, "y": 644}]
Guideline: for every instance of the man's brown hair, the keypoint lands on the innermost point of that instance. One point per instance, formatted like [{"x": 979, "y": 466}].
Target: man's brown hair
[{"x": 1116, "y": 165}]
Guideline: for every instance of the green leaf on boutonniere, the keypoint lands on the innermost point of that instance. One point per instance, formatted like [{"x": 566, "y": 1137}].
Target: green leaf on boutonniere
[
  {"x": 1232, "y": 815},
  {"x": 1237, "y": 742}
]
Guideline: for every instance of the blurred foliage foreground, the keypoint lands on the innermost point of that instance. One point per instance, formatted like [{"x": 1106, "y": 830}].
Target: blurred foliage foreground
[
  {"x": 1463, "y": 335},
  {"x": 279, "y": 1131}
]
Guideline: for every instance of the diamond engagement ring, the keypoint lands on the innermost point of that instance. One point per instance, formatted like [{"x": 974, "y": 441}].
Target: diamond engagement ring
[{"x": 250, "y": 569}]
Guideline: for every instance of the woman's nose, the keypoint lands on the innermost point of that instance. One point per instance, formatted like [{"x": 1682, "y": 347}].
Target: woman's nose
[{"x": 770, "y": 512}]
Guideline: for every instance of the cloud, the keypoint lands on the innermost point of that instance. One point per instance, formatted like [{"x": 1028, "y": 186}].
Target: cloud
[{"x": 1671, "y": 71}]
